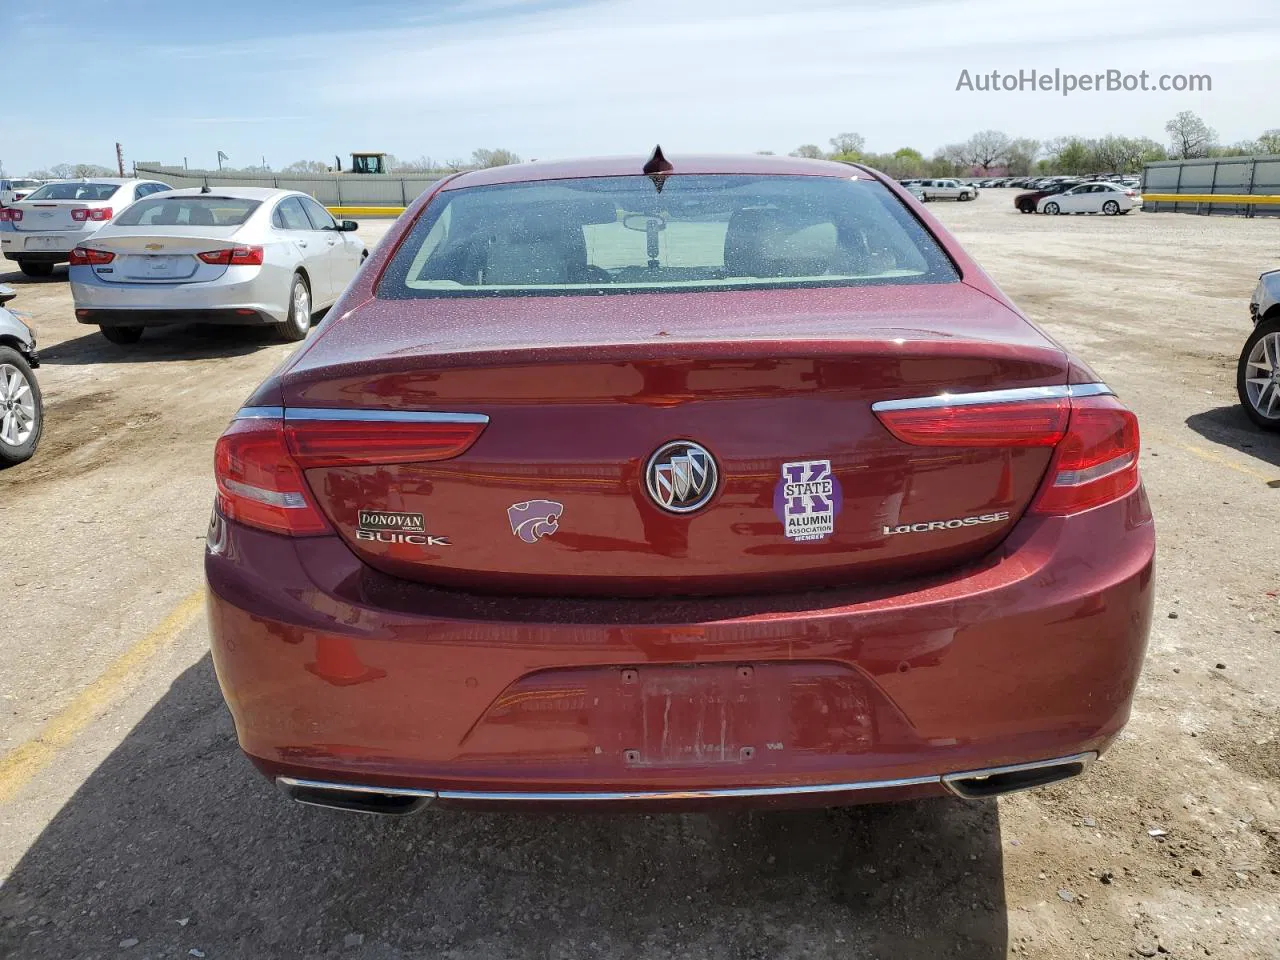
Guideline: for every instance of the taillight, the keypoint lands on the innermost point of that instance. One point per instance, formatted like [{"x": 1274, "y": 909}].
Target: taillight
[
  {"x": 100, "y": 213},
  {"x": 259, "y": 484},
  {"x": 234, "y": 256},
  {"x": 1024, "y": 423},
  {"x": 1097, "y": 461},
  {"x": 10, "y": 215},
  {"x": 80, "y": 214},
  {"x": 356, "y": 443},
  {"x": 84, "y": 257}
]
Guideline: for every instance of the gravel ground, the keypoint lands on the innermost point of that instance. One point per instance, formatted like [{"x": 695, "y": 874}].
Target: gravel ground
[{"x": 130, "y": 826}]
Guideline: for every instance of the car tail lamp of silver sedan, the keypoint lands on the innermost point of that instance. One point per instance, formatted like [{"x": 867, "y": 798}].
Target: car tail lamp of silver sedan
[
  {"x": 10, "y": 215},
  {"x": 81, "y": 214},
  {"x": 234, "y": 256},
  {"x": 84, "y": 257}
]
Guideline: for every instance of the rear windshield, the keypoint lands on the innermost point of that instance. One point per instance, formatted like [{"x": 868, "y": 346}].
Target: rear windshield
[
  {"x": 625, "y": 235},
  {"x": 75, "y": 191},
  {"x": 201, "y": 211}
]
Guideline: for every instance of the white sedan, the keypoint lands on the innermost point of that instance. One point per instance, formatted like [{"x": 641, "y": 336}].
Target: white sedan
[
  {"x": 233, "y": 255},
  {"x": 45, "y": 226},
  {"x": 1098, "y": 197}
]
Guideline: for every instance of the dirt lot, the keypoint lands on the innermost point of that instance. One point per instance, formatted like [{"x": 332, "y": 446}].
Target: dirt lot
[{"x": 131, "y": 827}]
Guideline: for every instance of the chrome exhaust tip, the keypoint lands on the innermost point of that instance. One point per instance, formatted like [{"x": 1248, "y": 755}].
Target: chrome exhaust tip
[
  {"x": 353, "y": 798},
  {"x": 997, "y": 781}
]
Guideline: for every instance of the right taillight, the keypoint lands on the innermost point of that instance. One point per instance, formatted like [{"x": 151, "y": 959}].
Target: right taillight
[
  {"x": 259, "y": 484},
  {"x": 1097, "y": 460},
  {"x": 80, "y": 214}
]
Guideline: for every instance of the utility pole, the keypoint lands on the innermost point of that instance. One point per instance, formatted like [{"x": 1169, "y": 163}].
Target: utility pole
[{"x": 120, "y": 158}]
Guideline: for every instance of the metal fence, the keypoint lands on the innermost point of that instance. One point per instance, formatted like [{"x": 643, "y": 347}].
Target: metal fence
[
  {"x": 332, "y": 190},
  {"x": 1235, "y": 177}
]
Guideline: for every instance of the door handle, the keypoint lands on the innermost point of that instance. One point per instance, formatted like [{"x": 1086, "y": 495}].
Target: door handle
[
  {"x": 302, "y": 243},
  {"x": 332, "y": 242}
]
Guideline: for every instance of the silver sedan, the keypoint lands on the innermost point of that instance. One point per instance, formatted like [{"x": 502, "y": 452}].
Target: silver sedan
[{"x": 235, "y": 255}]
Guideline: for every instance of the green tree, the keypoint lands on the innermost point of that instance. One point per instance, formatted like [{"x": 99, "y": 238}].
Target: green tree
[
  {"x": 306, "y": 166},
  {"x": 1269, "y": 140},
  {"x": 847, "y": 145},
  {"x": 810, "y": 150}
]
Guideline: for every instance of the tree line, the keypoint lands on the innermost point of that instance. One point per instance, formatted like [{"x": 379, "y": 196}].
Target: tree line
[
  {"x": 1189, "y": 138},
  {"x": 987, "y": 150}
]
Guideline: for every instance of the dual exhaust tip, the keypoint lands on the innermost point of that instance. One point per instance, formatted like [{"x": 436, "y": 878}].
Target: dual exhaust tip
[{"x": 401, "y": 801}]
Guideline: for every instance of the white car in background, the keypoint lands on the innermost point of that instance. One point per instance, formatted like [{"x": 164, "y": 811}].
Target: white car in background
[
  {"x": 1097, "y": 197},
  {"x": 232, "y": 255},
  {"x": 946, "y": 190},
  {"x": 15, "y": 188},
  {"x": 44, "y": 227}
]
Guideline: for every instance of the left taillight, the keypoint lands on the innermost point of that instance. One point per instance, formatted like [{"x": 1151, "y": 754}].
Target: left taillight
[
  {"x": 360, "y": 443},
  {"x": 84, "y": 257},
  {"x": 260, "y": 485},
  {"x": 234, "y": 256},
  {"x": 10, "y": 215}
]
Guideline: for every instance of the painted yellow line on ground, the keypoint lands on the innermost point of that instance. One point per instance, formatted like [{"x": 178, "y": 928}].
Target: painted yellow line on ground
[
  {"x": 388, "y": 212},
  {"x": 19, "y": 765},
  {"x": 1214, "y": 457},
  {"x": 1257, "y": 198}
]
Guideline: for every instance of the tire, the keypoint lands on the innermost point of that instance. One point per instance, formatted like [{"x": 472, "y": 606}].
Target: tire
[
  {"x": 1111, "y": 208},
  {"x": 298, "y": 325},
  {"x": 1026, "y": 209},
  {"x": 21, "y": 409},
  {"x": 122, "y": 335},
  {"x": 1052, "y": 209},
  {"x": 1261, "y": 399},
  {"x": 34, "y": 268}
]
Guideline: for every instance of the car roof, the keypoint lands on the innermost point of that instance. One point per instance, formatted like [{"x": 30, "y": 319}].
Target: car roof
[
  {"x": 235, "y": 193},
  {"x": 634, "y": 165}
]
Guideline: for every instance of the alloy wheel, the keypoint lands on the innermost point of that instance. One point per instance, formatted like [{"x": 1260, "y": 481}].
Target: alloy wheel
[
  {"x": 301, "y": 306},
  {"x": 1262, "y": 376},
  {"x": 17, "y": 407}
]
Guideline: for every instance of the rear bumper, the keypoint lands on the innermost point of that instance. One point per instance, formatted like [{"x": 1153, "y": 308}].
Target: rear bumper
[
  {"x": 157, "y": 318},
  {"x": 37, "y": 246},
  {"x": 220, "y": 300},
  {"x": 338, "y": 675}
]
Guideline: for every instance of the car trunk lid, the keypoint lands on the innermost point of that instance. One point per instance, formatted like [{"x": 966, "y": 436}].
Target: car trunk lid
[
  {"x": 562, "y": 490},
  {"x": 151, "y": 254}
]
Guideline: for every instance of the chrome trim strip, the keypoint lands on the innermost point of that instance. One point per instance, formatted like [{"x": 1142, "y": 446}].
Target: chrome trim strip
[
  {"x": 1084, "y": 759},
  {"x": 259, "y": 413},
  {"x": 1091, "y": 390},
  {"x": 1017, "y": 395},
  {"x": 382, "y": 416},
  {"x": 479, "y": 796},
  {"x": 286, "y": 783}
]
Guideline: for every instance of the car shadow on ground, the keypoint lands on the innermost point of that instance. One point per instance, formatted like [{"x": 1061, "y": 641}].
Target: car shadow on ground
[
  {"x": 175, "y": 342},
  {"x": 1231, "y": 427},
  {"x": 175, "y": 842},
  {"x": 16, "y": 278}
]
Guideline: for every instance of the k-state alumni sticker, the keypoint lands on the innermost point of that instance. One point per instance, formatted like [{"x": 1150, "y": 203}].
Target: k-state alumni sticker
[{"x": 807, "y": 499}]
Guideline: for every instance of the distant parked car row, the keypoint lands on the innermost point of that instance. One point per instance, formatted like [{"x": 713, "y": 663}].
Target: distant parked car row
[
  {"x": 14, "y": 189},
  {"x": 143, "y": 254}
]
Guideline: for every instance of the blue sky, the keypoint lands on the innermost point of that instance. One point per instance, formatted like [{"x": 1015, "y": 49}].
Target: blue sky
[{"x": 290, "y": 80}]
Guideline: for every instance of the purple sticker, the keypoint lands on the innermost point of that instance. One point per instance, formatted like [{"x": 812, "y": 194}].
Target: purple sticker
[{"x": 807, "y": 499}]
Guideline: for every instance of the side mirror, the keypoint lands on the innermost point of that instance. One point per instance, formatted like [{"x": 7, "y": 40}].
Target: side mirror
[
  {"x": 348, "y": 226},
  {"x": 6, "y": 294}
]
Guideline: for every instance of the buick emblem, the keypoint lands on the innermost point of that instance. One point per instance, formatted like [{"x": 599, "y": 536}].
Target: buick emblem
[{"x": 681, "y": 476}]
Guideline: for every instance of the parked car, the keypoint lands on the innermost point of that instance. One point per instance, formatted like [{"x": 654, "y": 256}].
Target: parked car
[
  {"x": 1098, "y": 197},
  {"x": 21, "y": 409},
  {"x": 42, "y": 229},
  {"x": 946, "y": 190},
  {"x": 237, "y": 255},
  {"x": 850, "y": 479},
  {"x": 16, "y": 188},
  {"x": 916, "y": 189},
  {"x": 1258, "y": 372},
  {"x": 1027, "y": 202}
]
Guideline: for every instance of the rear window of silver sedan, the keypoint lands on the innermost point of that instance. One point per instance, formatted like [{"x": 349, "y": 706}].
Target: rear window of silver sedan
[
  {"x": 201, "y": 211},
  {"x": 75, "y": 191}
]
